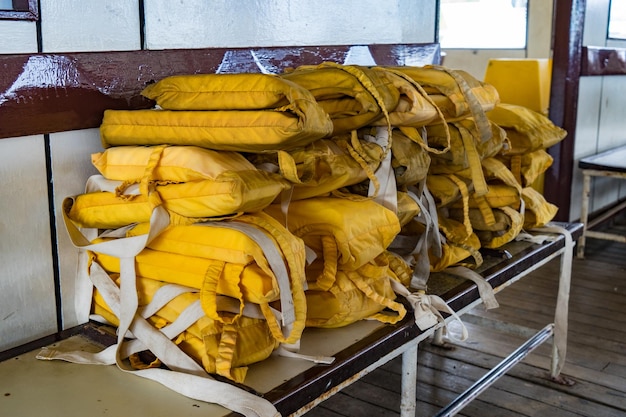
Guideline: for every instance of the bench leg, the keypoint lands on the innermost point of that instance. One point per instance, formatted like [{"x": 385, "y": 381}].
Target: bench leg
[
  {"x": 409, "y": 381},
  {"x": 584, "y": 214}
]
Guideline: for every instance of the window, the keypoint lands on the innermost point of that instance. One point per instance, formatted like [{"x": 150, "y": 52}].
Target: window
[
  {"x": 19, "y": 9},
  {"x": 483, "y": 24},
  {"x": 617, "y": 19}
]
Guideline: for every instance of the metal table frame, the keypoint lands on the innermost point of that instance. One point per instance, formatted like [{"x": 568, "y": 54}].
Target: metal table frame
[{"x": 610, "y": 163}]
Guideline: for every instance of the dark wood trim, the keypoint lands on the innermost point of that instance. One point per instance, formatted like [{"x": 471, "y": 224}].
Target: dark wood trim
[
  {"x": 566, "y": 71},
  {"x": 597, "y": 61},
  {"x": 46, "y": 93}
]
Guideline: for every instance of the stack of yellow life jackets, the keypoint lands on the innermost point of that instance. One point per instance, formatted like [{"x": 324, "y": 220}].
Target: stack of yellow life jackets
[
  {"x": 530, "y": 134},
  {"x": 310, "y": 198}
]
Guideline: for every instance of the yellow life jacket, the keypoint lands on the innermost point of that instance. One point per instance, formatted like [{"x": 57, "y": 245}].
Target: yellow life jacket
[
  {"x": 415, "y": 108},
  {"x": 460, "y": 248},
  {"x": 325, "y": 165},
  {"x": 526, "y": 129},
  {"x": 354, "y": 295},
  {"x": 410, "y": 161},
  {"x": 456, "y": 93},
  {"x": 223, "y": 348},
  {"x": 354, "y": 96},
  {"x": 539, "y": 211},
  {"x": 347, "y": 234},
  {"x": 164, "y": 164},
  {"x": 233, "y": 112},
  {"x": 244, "y": 91},
  {"x": 527, "y": 167},
  {"x": 220, "y": 260},
  {"x": 192, "y": 183}
]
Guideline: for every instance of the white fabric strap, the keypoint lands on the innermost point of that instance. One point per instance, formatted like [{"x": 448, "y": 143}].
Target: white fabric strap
[
  {"x": 162, "y": 296},
  {"x": 388, "y": 193},
  {"x": 562, "y": 301},
  {"x": 484, "y": 289},
  {"x": 275, "y": 260},
  {"x": 283, "y": 351},
  {"x": 427, "y": 310}
]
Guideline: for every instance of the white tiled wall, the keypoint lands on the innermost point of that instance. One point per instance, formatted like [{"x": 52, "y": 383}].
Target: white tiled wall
[
  {"x": 71, "y": 166},
  {"x": 89, "y": 25},
  {"x": 218, "y": 23},
  {"x": 27, "y": 301},
  {"x": 17, "y": 37}
]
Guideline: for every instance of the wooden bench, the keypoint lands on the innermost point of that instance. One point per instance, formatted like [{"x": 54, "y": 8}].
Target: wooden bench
[
  {"x": 610, "y": 163},
  {"x": 292, "y": 385}
]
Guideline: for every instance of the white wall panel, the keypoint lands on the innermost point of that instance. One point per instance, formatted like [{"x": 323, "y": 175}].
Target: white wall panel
[
  {"x": 17, "y": 37},
  {"x": 71, "y": 166},
  {"x": 27, "y": 303},
  {"x": 596, "y": 22},
  {"x": 224, "y": 23},
  {"x": 586, "y": 141},
  {"x": 90, "y": 25}
]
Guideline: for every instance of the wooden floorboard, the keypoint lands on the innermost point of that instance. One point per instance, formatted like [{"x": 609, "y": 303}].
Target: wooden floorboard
[{"x": 596, "y": 359}]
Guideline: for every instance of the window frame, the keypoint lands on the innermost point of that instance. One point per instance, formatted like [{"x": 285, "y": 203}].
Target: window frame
[{"x": 22, "y": 10}]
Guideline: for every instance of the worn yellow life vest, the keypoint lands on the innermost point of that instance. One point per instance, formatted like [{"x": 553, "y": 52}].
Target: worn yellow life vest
[
  {"x": 224, "y": 348},
  {"x": 410, "y": 161},
  {"x": 354, "y": 96},
  {"x": 527, "y": 167},
  {"x": 539, "y": 211},
  {"x": 192, "y": 184},
  {"x": 218, "y": 259},
  {"x": 325, "y": 165},
  {"x": 245, "y": 91},
  {"x": 347, "y": 234},
  {"x": 456, "y": 93},
  {"x": 415, "y": 108},
  {"x": 526, "y": 129},
  {"x": 354, "y": 295},
  {"x": 460, "y": 248},
  {"x": 220, "y": 115}
]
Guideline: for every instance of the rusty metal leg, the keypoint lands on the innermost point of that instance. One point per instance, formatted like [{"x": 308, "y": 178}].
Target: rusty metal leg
[
  {"x": 409, "y": 380},
  {"x": 584, "y": 213}
]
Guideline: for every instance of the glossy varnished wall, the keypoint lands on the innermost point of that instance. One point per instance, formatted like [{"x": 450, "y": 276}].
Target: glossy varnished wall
[{"x": 38, "y": 280}]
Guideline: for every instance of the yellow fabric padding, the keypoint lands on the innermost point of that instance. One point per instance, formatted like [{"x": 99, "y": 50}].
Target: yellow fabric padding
[
  {"x": 356, "y": 231},
  {"x": 354, "y": 295},
  {"x": 409, "y": 160},
  {"x": 526, "y": 129},
  {"x": 407, "y": 208},
  {"x": 230, "y": 193},
  {"x": 530, "y": 165},
  {"x": 167, "y": 163},
  {"x": 459, "y": 248},
  {"x": 237, "y": 268},
  {"x": 104, "y": 210},
  {"x": 451, "y": 90},
  {"x": 224, "y": 349},
  {"x": 295, "y": 125},
  {"x": 495, "y": 238},
  {"x": 256, "y": 285},
  {"x": 325, "y": 165},
  {"x": 415, "y": 108},
  {"x": 538, "y": 211},
  {"x": 245, "y": 91},
  {"x": 354, "y": 96}
]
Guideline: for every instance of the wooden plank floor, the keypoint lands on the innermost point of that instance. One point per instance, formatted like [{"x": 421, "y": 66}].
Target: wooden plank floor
[{"x": 596, "y": 355}]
